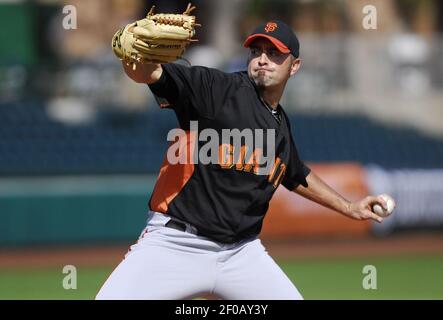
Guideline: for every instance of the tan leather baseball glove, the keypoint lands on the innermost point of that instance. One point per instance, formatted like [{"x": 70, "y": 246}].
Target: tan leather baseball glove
[{"x": 158, "y": 38}]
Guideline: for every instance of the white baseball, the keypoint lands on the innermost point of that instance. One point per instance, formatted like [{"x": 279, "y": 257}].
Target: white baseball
[{"x": 379, "y": 210}]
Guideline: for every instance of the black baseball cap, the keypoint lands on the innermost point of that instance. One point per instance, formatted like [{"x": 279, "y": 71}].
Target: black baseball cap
[{"x": 279, "y": 33}]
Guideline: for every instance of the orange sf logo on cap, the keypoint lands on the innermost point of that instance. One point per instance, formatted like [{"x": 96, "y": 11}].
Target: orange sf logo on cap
[{"x": 270, "y": 26}]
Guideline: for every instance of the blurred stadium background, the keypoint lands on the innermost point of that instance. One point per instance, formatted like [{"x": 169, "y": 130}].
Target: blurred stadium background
[{"x": 81, "y": 145}]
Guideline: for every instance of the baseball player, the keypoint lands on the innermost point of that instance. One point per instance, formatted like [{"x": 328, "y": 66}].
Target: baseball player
[{"x": 204, "y": 219}]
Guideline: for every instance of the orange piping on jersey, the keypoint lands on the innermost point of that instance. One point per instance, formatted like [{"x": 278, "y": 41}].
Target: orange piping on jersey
[{"x": 173, "y": 177}]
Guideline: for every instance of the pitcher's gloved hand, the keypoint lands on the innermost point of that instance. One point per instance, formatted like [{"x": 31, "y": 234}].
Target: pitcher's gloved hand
[{"x": 158, "y": 38}]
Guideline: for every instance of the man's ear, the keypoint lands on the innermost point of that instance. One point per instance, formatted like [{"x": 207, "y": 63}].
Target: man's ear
[{"x": 295, "y": 66}]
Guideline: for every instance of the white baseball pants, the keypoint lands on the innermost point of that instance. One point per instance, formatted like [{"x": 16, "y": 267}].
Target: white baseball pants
[{"x": 170, "y": 264}]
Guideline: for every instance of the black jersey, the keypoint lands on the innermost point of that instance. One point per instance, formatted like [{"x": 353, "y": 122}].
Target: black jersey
[{"x": 226, "y": 201}]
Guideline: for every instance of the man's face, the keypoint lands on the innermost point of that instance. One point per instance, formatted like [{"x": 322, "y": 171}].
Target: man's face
[{"x": 269, "y": 67}]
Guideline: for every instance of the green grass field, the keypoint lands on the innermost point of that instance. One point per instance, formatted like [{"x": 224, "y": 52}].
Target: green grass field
[{"x": 418, "y": 277}]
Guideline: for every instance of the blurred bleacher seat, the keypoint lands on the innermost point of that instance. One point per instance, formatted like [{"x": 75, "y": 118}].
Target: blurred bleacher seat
[{"x": 117, "y": 142}]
